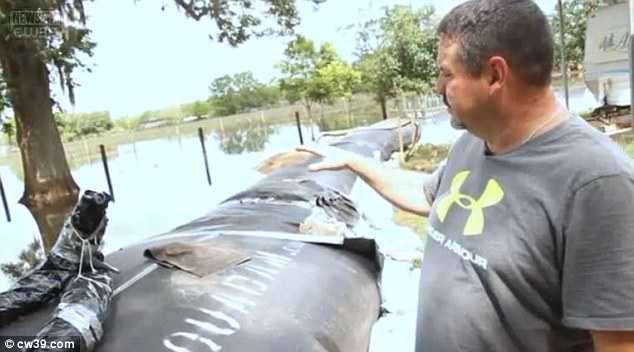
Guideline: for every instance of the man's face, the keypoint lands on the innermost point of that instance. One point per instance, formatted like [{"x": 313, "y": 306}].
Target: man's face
[{"x": 464, "y": 95}]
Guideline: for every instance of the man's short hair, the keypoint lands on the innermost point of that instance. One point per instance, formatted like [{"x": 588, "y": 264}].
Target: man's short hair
[{"x": 515, "y": 29}]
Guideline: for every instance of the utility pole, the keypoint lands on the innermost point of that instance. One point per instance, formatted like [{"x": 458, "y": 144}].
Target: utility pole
[
  {"x": 631, "y": 9},
  {"x": 564, "y": 67}
]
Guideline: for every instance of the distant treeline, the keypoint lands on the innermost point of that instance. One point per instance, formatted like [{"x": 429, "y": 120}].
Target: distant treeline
[{"x": 70, "y": 126}]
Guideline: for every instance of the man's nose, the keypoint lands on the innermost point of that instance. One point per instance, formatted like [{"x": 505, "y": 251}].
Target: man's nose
[{"x": 439, "y": 87}]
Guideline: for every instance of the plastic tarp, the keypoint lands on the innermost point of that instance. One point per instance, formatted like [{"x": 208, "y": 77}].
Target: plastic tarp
[{"x": 74, "y": 269}]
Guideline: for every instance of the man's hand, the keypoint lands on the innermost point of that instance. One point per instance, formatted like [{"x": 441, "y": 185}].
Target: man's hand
[
  {"x": 334, "y": 158},
  {"x": 613, "y": 341},
  {"x": 402, "y": 188}
]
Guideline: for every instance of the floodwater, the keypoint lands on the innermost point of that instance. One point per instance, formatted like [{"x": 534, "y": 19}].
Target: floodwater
[{"x": 161, "y": 183}]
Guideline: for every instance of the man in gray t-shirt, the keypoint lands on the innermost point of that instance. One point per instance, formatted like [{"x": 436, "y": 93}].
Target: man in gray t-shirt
[
  {"x": 529, "y": 249},
  {"x": 530, "y": 243}
]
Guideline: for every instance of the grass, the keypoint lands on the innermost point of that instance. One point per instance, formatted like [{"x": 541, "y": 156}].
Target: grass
[
  {"x": 414, "y": 222},
  {"x": 424, "y": 158},
  {"x": 627, "y": 143}
]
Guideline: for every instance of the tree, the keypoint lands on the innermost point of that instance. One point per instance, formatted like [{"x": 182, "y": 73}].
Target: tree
[
  {"x": 28, "y": 259},
  {"x": 318, "y": 87},
  {"x": 240, "y": 92},
  {"x": 94, "y": 123},
  {"x": 337, "y": 79},
  {"x": 74, "y": 126},
  {"x": 27, "y": 55},
  {"x": 4, "y": 103},
  {"x": 397, "y": 53},
  {"x": 67, "y": 125},
  {"x": 269, "y": 94},
  {"x": 575, "y": 14},
  {"x": 239, "y": 20},
  {"x": 298, "y": 67},
  {"x": 379, "y": 70},
  {"x": 7, "y": 125},
  {"x": 198, "y": 108},
  {"x": 292, "y": 96},
  {"x": 126, "y": 123},
  {"x": 301, "y": 68},
  {"x": 54, "y": 47}
]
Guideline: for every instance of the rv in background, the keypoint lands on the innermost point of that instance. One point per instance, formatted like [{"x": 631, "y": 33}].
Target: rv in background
[{"x": 606, "y": 61}]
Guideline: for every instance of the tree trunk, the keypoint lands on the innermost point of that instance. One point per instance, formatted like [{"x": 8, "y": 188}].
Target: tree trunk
[
  {"x": 400, "y": 103},
  {"x": 49, "y": 189},
  {"x": 307, "y": 105},
  {"x": 384, "y": 108},
  {"x": 322, "y": 118},
  {"x": 347, "y": 109}
]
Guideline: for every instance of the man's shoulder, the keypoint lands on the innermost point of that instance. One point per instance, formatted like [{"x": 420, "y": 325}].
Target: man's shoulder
[
  {"x": 597, "y": 148},
  {"x": 576, "y": 146},
  {"x": 466, "y": 143},
  {"x": 591, "y": 152}
]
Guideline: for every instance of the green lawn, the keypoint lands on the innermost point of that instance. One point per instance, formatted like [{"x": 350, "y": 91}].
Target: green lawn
[{"x": 627, "y": 143}]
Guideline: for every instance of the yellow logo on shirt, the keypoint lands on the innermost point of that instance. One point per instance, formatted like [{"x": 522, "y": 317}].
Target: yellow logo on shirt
[{"x": 492, "y": 195}]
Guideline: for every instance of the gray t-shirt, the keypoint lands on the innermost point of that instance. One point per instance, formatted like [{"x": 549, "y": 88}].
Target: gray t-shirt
[{"x": 528, "y": 250}]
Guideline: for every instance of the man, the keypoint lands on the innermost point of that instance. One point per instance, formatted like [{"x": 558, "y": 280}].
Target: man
[{"x": 531, "y": 217}]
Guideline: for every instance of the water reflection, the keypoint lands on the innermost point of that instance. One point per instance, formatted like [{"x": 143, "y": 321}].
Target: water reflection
[{"x": 247, "y": 137}]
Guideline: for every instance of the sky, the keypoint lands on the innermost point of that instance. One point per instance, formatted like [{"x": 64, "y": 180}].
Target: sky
[{"x": 147, "y": 58}]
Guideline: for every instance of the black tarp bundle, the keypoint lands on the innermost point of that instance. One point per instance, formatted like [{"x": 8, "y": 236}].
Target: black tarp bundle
[
  {"x": 74, "y": 269},
  {"x": 80, "y": 313}
]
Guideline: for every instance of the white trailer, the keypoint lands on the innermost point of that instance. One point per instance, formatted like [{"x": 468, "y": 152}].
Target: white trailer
[{"x": 607, "y": 54}]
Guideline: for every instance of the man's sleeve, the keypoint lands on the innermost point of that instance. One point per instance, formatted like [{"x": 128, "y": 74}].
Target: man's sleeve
[
  {"x": 598, "y": 269},
  {"x": 432, "y": 182}
]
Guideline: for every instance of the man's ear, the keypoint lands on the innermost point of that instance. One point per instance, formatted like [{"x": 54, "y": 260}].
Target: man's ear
[{"x": 498, "y": 72}]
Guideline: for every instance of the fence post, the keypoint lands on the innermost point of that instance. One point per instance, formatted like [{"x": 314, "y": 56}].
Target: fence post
[
  {"x": 299, "y": 128},
  {"x": 202, "y": 144},
  {"x": 4, "y": 201},
  {"x": 104, "y": 160},
  {"x": 178, "y": 136},
  {"x": 87, "y": 149}
]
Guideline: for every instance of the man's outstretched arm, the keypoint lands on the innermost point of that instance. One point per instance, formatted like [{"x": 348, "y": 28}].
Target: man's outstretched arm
[
  {"x": 403, "y": 188},
  {"x": 407, "y": 190}
]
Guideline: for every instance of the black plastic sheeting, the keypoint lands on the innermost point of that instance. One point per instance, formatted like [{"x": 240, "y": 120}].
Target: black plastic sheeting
[
  {"x": 285, "y": 198},
  {"x": 81, "y": 312},
  {"x": 290, "y": 295},
  {"x": 35, "y": 290},
  {"x": 74, "y": 269}
]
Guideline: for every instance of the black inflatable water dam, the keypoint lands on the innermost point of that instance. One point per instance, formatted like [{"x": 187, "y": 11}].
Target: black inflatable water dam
[{"x": 244, "y": 278}]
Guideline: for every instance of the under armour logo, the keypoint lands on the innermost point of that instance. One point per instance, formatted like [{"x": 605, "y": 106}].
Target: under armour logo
[{"x": 493, "y": 194}]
